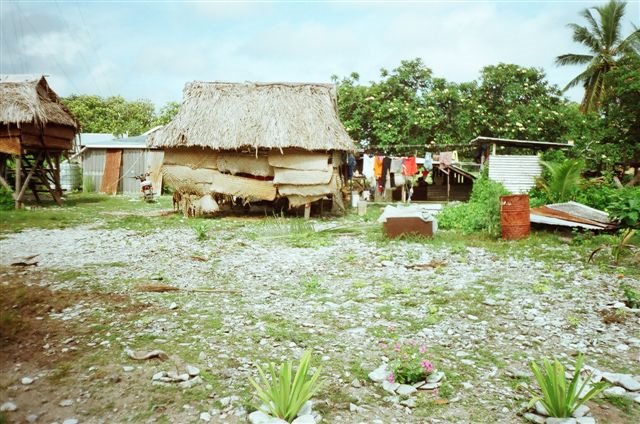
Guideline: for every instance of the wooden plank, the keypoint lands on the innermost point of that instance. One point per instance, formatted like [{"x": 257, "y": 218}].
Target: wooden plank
[
  {"x": 47, "y": 142},
  {"x": 59, "y": 131},
  {"x": 10, "y": 145},
  {"x": 9, "y": 131},
  {"x": 32, "y": 140},
  {"x": 56, "y": 143},
  {"x": 111, "y": 173}
]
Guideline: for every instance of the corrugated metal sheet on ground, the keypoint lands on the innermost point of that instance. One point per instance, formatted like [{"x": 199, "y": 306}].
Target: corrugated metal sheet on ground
[
  {"x": 294, "y": 176},
  {"x": 244, "y": 164},
  {"x": 193, "y": 157},
  {"x": 111, "y": 174},
  {"x": 572, "y": 214},
  {"x": 246, "y": 188},
  {"x": 517, "y": 173},
  {"x": 298, "y": 160}
]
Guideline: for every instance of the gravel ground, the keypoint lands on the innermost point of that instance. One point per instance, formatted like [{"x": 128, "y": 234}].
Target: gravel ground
[{"x": 482, "y": 315}]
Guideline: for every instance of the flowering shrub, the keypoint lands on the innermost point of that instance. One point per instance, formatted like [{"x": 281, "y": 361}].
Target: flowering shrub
[{"x": 408, "y": 363}]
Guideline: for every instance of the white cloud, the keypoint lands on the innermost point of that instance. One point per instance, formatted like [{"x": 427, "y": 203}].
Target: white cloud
[{"x": 64, "y": 48}]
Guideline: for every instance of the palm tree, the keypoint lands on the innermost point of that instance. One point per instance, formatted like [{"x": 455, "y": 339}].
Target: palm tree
[{"x": 602, "y": 37}]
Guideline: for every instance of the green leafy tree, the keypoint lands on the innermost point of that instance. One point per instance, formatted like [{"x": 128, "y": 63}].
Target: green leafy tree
[
  {"x": 167, "y": 113},
  {"x": 602, "y": 37},
  {"x": 390, "y": 112},
  {"x": 622, "y": 114},
  {"x": 113, "y": 115},
  {"x": 409, "y": 107},
  {"x": 610, "y": 136},
  {"x": 519, "y": 103}
]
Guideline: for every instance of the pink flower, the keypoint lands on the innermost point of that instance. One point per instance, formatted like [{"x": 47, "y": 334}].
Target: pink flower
[
  {"x": 422, "y": 349},
  {"x": 428, "y": 366},
  {"x": 391, "y": 378},
  {"x": 396, "y": 347},
  {"x": 383, "y": 345}
]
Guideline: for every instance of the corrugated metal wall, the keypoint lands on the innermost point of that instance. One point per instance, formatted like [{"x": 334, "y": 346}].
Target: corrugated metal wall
[
  {"x": 134, "y": 162},
  {"x": 92, "y": 168},
  {"x": 517, "y": 173}
]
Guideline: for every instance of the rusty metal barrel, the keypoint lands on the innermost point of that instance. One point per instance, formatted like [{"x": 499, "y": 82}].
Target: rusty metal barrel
[{"x": 514, "y": 216}]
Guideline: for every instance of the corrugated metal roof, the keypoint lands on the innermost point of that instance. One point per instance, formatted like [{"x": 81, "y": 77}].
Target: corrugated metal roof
[
  {"x": 137, "y": 142},
  {"x": 531, "y": 144},
  {"x": 517, "y": 173}
]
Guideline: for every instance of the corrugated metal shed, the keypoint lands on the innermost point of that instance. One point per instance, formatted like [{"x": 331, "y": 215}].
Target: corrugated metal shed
[
  {"x": 137, "y": 159},
  {"x": 517, "y": 173}
]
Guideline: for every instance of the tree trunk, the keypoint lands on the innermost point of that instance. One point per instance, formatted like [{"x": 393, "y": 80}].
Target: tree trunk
[{"x": 635, "y": 180}]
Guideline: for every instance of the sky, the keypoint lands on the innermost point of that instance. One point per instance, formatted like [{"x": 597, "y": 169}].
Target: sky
[{"x": 149, "y": 49}]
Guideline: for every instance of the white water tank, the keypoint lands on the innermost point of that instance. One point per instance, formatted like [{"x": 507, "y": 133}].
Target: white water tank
[{"x": 70, "y": 176}]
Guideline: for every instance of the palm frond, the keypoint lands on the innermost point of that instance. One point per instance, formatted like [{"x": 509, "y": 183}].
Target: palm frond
[
  {"x": 630, "y": 45},
  {"x": 583, "y": 36},
  {"x": 593, "y": 23},
  {"x": 611, "y": 17},
  {"x": 573, "y": 59},
  {"x": 564, "y": 180},
  {"x": 581, "y": 78}
]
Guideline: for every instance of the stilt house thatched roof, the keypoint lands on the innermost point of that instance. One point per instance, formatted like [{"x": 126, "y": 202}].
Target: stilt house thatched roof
[
  {"x": 28, "y": 99},
  {"x": 231, "y": 116}
]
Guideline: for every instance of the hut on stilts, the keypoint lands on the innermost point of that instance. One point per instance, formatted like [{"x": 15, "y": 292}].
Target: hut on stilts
[
  {"x": 255, "y": 142},
  {"x": 35, "y": 130}
]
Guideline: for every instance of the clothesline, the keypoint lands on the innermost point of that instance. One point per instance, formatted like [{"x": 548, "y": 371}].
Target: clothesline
[{"x": 419, "y": 146}]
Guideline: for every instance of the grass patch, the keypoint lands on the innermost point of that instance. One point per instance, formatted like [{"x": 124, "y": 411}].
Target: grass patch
[
  {"x": 624, "y": 404},
  {"x": 81, "y": 208}
]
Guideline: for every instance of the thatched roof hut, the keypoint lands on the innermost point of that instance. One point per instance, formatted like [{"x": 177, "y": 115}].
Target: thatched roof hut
[
  {"x": 35, "y": 128},
  {"x": 229, "y": 116},
  {"x": 256, "y": 141},
  {"x": 28, "y": 99}
]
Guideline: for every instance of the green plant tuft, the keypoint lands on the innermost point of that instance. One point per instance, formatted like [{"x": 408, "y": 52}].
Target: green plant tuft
[
  {"x": 202, "y": 232},
  {"x": 559, "y": 396},
  {"x": 632, "y": 297},
  {"x": 561, "y": 182},
  {"x": 284, "y": 393}
]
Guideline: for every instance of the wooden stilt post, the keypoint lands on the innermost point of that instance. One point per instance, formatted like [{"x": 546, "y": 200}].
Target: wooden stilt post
[
  {"x": 5, "y": 184},
  {"x": 448, "y": 185},
  {"x": 56, "y": 174},
  {"x": 18, "y": 180},
  {"x": 307, "y": 211},
  {"x": 25, "y": 184}
]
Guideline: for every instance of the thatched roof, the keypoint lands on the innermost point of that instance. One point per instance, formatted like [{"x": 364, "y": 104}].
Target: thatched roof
[
  {"x": 29, "y": 99},
  {"x": 227, "y": 116}
]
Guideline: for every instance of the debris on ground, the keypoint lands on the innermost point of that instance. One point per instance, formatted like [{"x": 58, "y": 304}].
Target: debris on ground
[
  {"x": 572, "y": 214},
  {"x": 141, "y": 355}
]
